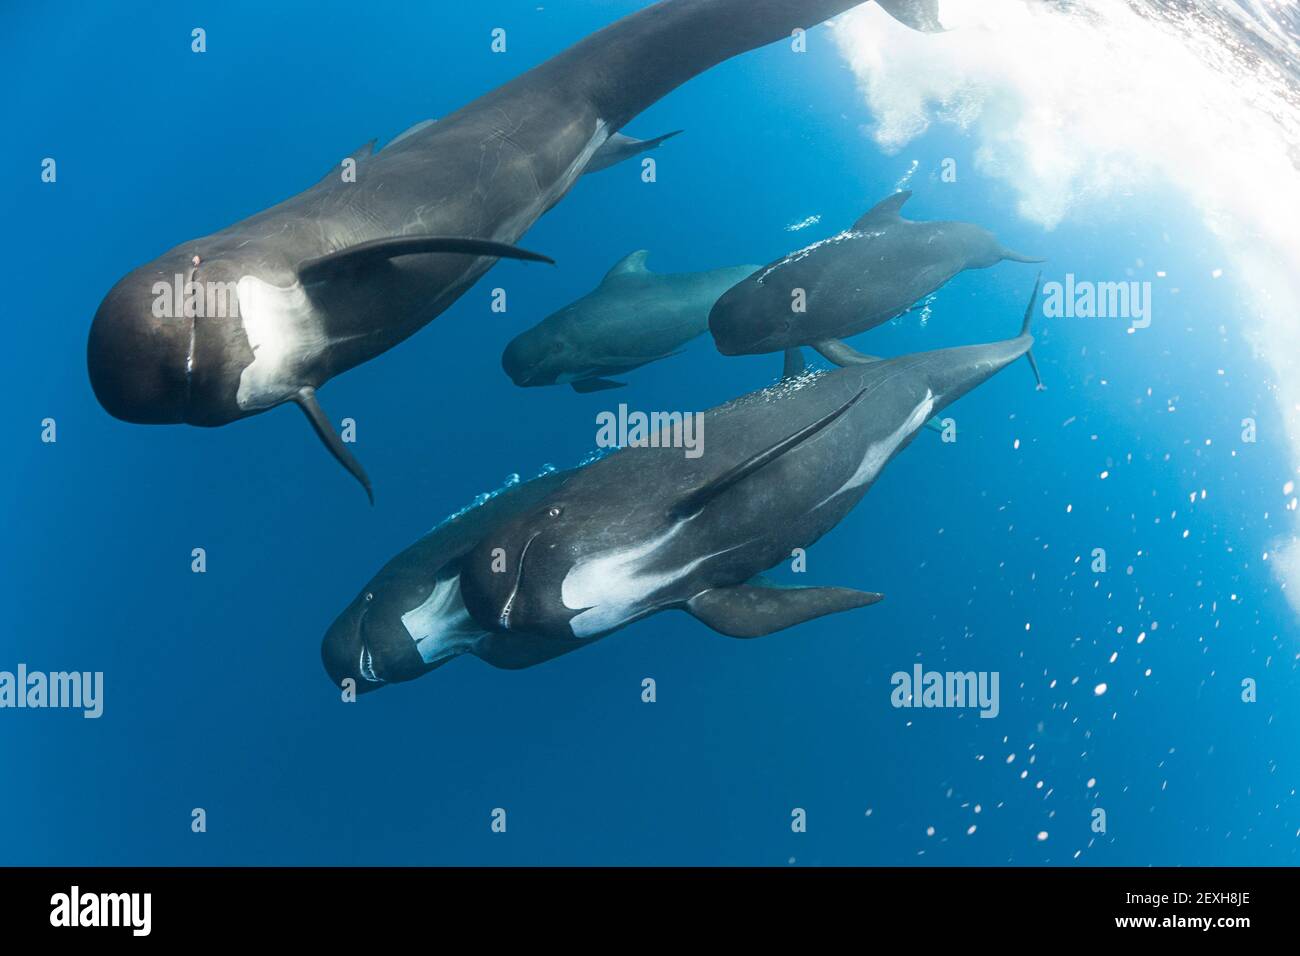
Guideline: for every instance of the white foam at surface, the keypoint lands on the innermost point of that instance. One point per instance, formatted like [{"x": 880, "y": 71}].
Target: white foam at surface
[{"x": 1074, "y": 108}]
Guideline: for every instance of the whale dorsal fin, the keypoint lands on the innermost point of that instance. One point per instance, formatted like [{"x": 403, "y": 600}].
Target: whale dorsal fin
[
  {"x": 697, "y": 499},
  {"x": 885, "y": 212},
  {"x": 410, "y": 131},
  {"x": 353, "y": 259},
  {"x": 630, "y": 265},
  {"x": 364, "y": 151}
]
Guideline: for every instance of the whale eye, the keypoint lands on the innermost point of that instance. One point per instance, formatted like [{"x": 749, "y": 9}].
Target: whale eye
[
  {"x": 369, "y": 597},
  {"x": 554, "y": 511}
]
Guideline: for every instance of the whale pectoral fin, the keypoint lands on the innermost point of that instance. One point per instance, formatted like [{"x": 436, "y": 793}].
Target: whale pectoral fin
[
  {"x": 921, "y": 15},
  {"x": 691, "y": 503},
  {"x": 1010, "y": 256},
  {"x": 349, "y": 261},
  {"x": 596, "y": 385},
  {"x": 619, "y": 147},
  {"x": 747, "y": 611},
  {"x": 841, "y": 354},
  {"x": 306, "y": 399},
  {"x": 794, "y": 363}
]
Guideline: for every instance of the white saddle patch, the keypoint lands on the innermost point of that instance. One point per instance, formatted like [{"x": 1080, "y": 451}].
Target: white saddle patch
[
  {"x": 613, "y": 587},
  {"x": 879, "y": 453}
]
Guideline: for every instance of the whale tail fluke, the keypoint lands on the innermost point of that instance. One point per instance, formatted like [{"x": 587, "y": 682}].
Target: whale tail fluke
[
  {"x": 624, "y": 68},
  {"x": 306, "y": 400},
  {"x": 922, "y": 15},
  {"x": 1025, "y": 332}
]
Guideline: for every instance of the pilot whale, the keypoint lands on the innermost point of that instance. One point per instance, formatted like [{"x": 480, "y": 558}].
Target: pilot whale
[
  {"x": 876, "y": 270},
  {"x": 646, "y": 530},
  {"x": 281, "y": 302},
  {"x": 632, "y": 318},
  {"x": 409, "y": 619}
]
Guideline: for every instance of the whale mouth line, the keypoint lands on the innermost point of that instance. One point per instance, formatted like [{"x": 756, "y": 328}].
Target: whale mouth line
[
  {"x": 366, "y": 666},
  {"x": 504, "y": 619}
]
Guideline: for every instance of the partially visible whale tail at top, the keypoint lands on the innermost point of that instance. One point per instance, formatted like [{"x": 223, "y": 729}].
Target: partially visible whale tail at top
[
  {"x": 922, "y": 15},
  {"x": 1026, "y": 332},
  {"x": 632, "y": 63}
]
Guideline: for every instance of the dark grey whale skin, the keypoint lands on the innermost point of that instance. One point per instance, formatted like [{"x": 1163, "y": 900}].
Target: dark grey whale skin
[
  {"x": 488, "y": 171},
  {"x": 863, "y": 277},
  {"x": 373, "y": 620},
  {"x": 647, "y": 529},
  {"x": 632, "y": 318}
]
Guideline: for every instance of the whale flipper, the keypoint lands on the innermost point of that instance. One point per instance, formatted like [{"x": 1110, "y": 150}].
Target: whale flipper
[
  {"x": 922, "y": 15},
  {"x": 1010, "y": 256},
  {"x": 619, "y": 147},
  {"x": 587, "y": 385},
  {"x": 748, "y": 611},
  {"x": 841, "y": 354},
  {"x": 355, "y": 258},
  {"x": 697, "y": 499},
  {"x": 306, "y": 399}
]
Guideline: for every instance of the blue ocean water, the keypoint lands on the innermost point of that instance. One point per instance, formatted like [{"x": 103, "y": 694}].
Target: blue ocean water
[{"x": 214, "y": 693}]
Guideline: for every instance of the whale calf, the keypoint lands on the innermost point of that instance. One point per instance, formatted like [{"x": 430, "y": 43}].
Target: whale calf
[
  {"x": 279, "y": 303},
  {"x": 646, "y": 530},
  {"x": 633, "y": 317},
  {"x": 863, "y": 277},
  {"x": 409, "y": 618}
]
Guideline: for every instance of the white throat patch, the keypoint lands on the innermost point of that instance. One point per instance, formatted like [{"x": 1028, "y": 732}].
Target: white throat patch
[
  {"x": 441, "y": 627},
  {"x": 285, "y": 335}
]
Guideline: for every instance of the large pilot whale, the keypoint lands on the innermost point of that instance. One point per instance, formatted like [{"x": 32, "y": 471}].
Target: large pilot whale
[
  {"x": 854, "y": 281},
  {"x": 632, "y": 318},
  {"x": 647, "y": 529},
  {"x": 409, "y": 618},
  {"x": 272, "y": 307}
]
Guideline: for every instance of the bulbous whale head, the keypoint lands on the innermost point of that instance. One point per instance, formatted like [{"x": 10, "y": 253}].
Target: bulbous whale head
[
  {"x": 167, "y": 344},
  {"x": 404, "y": 624},
  {"x": 535, "y": 357},
  {"x": 754, "y": 317},
  {"x": 139, "y": 358}
]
